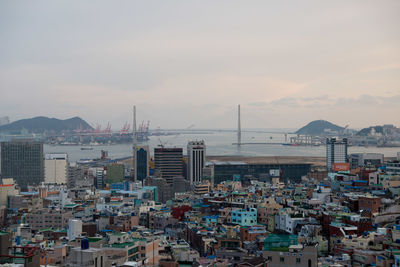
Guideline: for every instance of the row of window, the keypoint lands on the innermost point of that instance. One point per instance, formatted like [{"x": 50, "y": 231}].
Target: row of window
[{"x": 282, "y": 259}]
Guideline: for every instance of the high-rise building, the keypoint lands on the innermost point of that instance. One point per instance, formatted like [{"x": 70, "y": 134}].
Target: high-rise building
[
  {"x": 196, "y": 160},
  {"x": 336, "y": 152},
  {"x": 23, "y": 160},
  {"x": 142, "y": 162},
  {"x": 100, "y": 178},
  {"x": 75, "y": 173},
  {"x": 56, "y": 168},
  {"x": 168, "y": 162}
]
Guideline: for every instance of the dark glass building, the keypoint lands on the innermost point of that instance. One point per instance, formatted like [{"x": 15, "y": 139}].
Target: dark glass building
[
  {"x": 169, "y": 162},
  {"x": 23, "y": 161},
  {"x": 142, "y": 162}
]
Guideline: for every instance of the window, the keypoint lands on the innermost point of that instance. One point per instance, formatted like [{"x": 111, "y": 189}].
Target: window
[
  {"x": 269, "y": 258},
  {"x": 282, "y": 259},
  {"x": 298, "y": 260}
]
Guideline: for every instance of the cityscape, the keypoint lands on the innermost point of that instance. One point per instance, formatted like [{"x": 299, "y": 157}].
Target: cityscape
[
  {"x": 199, "y": 133},
  {"x": 167, "y": 208}
]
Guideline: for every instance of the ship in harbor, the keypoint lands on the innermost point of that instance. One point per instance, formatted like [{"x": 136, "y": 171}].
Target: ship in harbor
[{"x": 290, "y": 144}]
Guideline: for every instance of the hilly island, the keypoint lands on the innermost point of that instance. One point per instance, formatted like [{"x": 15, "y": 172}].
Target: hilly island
[{"x": 44, "y": 124}]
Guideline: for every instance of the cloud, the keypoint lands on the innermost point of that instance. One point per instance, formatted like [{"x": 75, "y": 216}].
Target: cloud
[
  {"x": 287, "y": 102},
  {"x": 192, "y": 63},
  {"x": 331, "y": 101}
]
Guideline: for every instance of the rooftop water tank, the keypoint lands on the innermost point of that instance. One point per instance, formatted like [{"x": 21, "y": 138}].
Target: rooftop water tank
[{"x": 85, "y": 244}]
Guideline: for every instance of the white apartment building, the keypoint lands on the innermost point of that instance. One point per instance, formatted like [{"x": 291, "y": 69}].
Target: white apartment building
[{"x": 56, "y": 168}]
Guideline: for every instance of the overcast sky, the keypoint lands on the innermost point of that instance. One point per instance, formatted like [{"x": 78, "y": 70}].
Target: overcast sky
[{"x": 191, "y": 62}]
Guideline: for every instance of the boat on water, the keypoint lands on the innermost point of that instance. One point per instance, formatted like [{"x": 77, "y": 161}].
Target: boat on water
[
  {"x": 290, "y": 144},
  {"x": 86, "y": 148}
]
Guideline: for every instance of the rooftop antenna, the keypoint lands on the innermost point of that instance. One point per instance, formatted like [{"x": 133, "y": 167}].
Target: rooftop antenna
[
  {"x": 134, "y": 138},
  {"x": 239, "y": 131}
]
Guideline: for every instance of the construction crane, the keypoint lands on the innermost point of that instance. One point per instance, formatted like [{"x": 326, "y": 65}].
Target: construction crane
[
  {"x": 143, "y": 131},
  {"x": 97, "y": 130},
  {"x": 162, "y": 144}
]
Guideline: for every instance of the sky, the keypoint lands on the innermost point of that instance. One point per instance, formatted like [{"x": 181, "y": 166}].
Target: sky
[{"x": 188, "y": 63}]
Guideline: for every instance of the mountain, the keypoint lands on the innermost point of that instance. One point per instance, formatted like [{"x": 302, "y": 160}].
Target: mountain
[
  {"x": 45, "y": 124},
  {"x": 387, "y": 129},
  {"x": 319, "y": 127},
  {"x": 369, "y": 130}
]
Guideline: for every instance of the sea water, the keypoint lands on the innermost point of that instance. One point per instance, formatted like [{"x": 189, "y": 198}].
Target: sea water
[{"x": 218, "y": 144}]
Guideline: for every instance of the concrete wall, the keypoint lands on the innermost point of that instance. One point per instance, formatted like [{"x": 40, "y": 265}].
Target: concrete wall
[{"x": 55, "y": 171}]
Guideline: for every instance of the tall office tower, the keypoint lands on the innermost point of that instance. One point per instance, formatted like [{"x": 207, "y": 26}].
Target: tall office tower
[
  {"x": 142, "y": 162},
  {"x": 99, "y": 178},
  {"x": 23, "y": 161},
  {"x": 169, "y": 162},
  {"x": 196, "y": 160},
  {"x": 336, "y": 152},
  {"x": 56, "y": 168}
]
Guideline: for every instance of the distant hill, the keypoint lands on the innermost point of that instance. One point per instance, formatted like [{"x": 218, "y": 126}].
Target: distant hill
[
  {"x": 369, "y": 130},
  {"x": 319, "y": 127},
  {"x": 383, "y": 130},
  {"x": 45, "y": 124}
]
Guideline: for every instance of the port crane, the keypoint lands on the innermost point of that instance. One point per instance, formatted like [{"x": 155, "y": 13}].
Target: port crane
[
  {"x": 107, "y": 131},
  {"x": 125, "y": 129}
]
